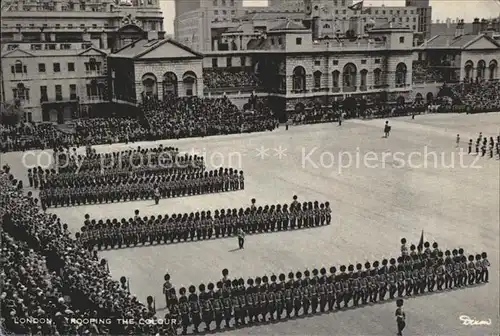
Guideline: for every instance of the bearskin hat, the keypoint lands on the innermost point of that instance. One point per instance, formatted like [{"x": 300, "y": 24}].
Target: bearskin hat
[
  {"x": 265, "y": 279},
  {"x": 367, "y": 265},
  {"x": 258, "y": 280},
  {"x": 384, "y": 262},
  {"x": 412, "y": 247},
  {"x": 123, "y": 279},
  {"x": 471, "y": 257},
  {"x": 350, "y": 268},
  {"x": 235, "y": 283},
  {"x": 455, "y": 252},
  {"x": 241, "y": 282},
  {"x": 427, "y": 244},
  {"x": 342, "y": 268},
  {"x": 399, "y": 302},
  {"x": 166, "y": 277},
  {"x": 210, "y": 286},
  {"x": 403, "y": 240},
  {"x": 291, "y": 275},
  {"x": 333, "y": 270},
  {"x": 220, "y": 284},
  {"x": 460, "y": 251},
  {"x": 315, "y": 272},
  {"x": 359, "y": 266},
  {"x": 392, "y": 261},
  {"x": 322, "y": 271},
  {"x": 400, "y": 260},
  {"x": 435, "y": 245},
  {"x": 307, "y": 273},
  {"x": 298, "y": 275},
  {"x": 192, "y": 289},
  {"x": 484, "y": 255},
  {"x": 282, "y": 277},
  {"x": 182, "y": 291},
  {"x": 375, "y": 263},
  {"x": 273, "y": 278}
]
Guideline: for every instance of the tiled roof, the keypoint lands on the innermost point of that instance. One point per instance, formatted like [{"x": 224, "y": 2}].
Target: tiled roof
[
  {"x": 445, "y": 29},
  {"x": 446, "y": 41}
]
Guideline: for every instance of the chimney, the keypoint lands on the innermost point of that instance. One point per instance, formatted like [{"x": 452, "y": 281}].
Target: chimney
[
  {"x": 476, "y": 27},
  {"x": 460, "y": 28},
  {"x": 152, "y": 35},
  {"x": 448, "y": 23},
  {"x": 484, "y": 25}
]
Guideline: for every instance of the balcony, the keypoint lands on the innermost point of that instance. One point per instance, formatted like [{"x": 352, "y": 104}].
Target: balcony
[
  {"x": 94, "y": 73},
  {"x": 380, "y": 86},
  {"x": 348, "y": 89},
  {"x": 335, "y": 89},
  {"x": 363, "y": 88},
  {"x": 96, "y": 99},
  {"x": 319, "y": 89},
  {"x": 59, "y": 99}
]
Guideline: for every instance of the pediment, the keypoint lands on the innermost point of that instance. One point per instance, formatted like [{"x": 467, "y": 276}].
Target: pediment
[
  {"x": 92, "y": 52},
  {"x": 17, "y": 53},
  {"x": 169, "y": 49},
  {"x": 482, "y": 43}
]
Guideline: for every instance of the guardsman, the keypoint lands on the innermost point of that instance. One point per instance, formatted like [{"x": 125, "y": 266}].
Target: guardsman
[
  {"x": 207, "y": 308},
  {"x": 322, "y": 292},
  {"x": 227, "y": 304},
  {"x": 288, "y": 297},
  {"x": 485, "y": 264},
  {"x": 218, "y": 306},
  {"x": 427, "y": 248},
  {"x": 374, "y": 281},
  {"x": 184, "y": 310},
  {"x": 463, "y": 270},
  {"x": 404, "y": 248},
  {"x": 449, "y": 271},
  {"x": 401, "y": 277},
  {"x": 356, "y": 288},
  {"x": 297, "y": 294},
  {"x": 470, "y": 146},
  {"x": 306, "y": 293},
  {"x": 408, "y": 279},
  {"x": 271, "y": 298},
  {"x": 436, "y": 249},
  {"x": 392, "y": 279},
  {"x": 250, "y": 302},
  {"x": 422, "y": 276},
  {"x": 346, "y": 282},
  {"x": 194, "y": 308},
  {"x": 479, "y": 268},
  {"x": 339, "y": 288},
  {"x": 280, "y": 296},
  {"x": 415, "y": 276},
  {"x": 242, "y": 300},
  {"x": 440, "y": 274},
  {"x": 471, "y": 268},
  {"x": 400, "y": 317},
  {"x": 235, "y": 303}
]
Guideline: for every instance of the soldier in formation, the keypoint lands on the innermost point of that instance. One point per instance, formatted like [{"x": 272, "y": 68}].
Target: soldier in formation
[
  {"x": 263, "y": 299},
  {"x": 114, "y": 233},
  {"x": 490, "y": 148},
  {"x": 141, "y": 187}
]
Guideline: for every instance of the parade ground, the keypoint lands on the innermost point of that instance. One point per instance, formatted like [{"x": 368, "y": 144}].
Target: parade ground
[{"x": 392, "y": 188}]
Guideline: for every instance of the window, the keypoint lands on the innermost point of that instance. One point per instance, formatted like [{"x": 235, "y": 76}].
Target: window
[
  {"x": 18, "y": 25},
  {"x": 298, "y": 41},
  {"x": 19, "y": 68},
  {"x": 343, "y": 2},
  {"x": 280, "y": 41},
  {"x": 58, "y": 92},
  {"x": 401, "y": 39},
  {"x": 317, "y": 62},
  {"x": 407, "y": 19},
  {"x": 383, "y": 12},
  {"x": 414, "y": 19},
  {"x": 57, "y": 67},
  {"x": 233, "y": 12},
  {"x": 377, "y": 60},
  {"x": 406, "y": 12},
  {"x": 224, "y": 12},
  {"x": 50, "y": 47},
  {"x": 411, "y": 12},
  {"x": 82, "y": 25},
  {"x": 43, "y": 94},
  {"x": 336, "y": 79},
  {"x": 229, "y": 62},
  {"x": 335, "y": 62},
  {"x": 36, "y": 47},
  {"x": 223, "y": 2},
  {"x": 58, "y": 26},
  {"x": 299, "y": 79},
  {"x": 231, "y": 3},
  {"x": 32, "y": 25},
  {"x": 70, "y": 25},
  {"x": 41, "y": 67},
  {"x": 414, "y": 27},
  {"x": 45, "y": 25},
  {"x": 377, "y": 74},
  {"x": 376, "y": 12},
  {"x": 216, "y": 12},
  {"x": 215, "y": 63},
  {"x": 214, "y": 3},
  {"x": 71, "y": 66},
  {"x": 106, "y": 25},
  {"x": 72, "y": 91},
  {"x": 242, "y": 61},
  {"x": 363, "y": 61},
  {"x": 317, "y": 80},
  {"x": 65, "y": 46},
  {"x": 390, "y": 12},
  {"x": 21, "y": 93}
]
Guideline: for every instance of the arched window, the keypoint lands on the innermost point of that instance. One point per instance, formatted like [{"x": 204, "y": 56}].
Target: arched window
[
  {"x": 19, "y": 67},
  {"x": 317, "y": 79},
  {"x": 481, "y": 70},
  {"x": 189, "y": 81},
  {"x": 401, "y": 75},
  {"x": 469, "y": 66},
  {"x": 299, "y": 79},
  {"x": 363, "y": 79},
  {"x": 170, "y": 84},
  {"x": 418, "y": 98},
  {"x": 149, "y": 82},
  {"x": 327, "y": 26},
  {"x": 335, "y": 79},
  {"x": 21, "y": 93},
  {"x": 493, "y": 66},
  {"x": 430, "y": 97},
  {"x": 349, "y": 75},
  {"x": 377, "y": 77}
]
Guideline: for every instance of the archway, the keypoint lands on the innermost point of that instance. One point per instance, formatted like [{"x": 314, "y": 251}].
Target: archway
[
  {"x": 481, "y": 70},
  {"x": 170, "y": 85},
  {"x": 149, "y": 85},
  {"x": 430, "y": 98},
  {"x": 349, "y": 75},
  {"x": 493, "y": 67},
  {"x": 418, "y": 98},
  {"x": 189, "y": 81},
  {"x": 400, "y": 100},
  {"x": 468, "y": 69},
  {"x": 401, "y": 71},
  {"x": 299, "y": 79}
]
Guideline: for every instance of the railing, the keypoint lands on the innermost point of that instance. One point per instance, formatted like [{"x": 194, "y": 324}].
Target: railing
[
  {"x": 335, "y": 89},
  {"x": 363, "y": 88},
  {"x": 349, "y": 89}
]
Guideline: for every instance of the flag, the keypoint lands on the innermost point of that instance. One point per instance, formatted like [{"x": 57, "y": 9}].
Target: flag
[
  {"x": 356, "y": 6},
  {"x": 420, "y": 246}
]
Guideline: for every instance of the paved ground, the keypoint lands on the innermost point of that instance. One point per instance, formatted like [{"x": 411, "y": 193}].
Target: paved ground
[{"x": 373, "y": 207}]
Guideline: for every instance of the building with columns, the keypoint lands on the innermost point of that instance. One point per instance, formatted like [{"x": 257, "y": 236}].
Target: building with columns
[{"x": 77, "y": 35}]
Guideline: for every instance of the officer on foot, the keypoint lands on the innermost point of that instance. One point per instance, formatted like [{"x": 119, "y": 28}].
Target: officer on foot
[
  {"x": 400, "y": 317},
  {"x": 241, "y": 238}
]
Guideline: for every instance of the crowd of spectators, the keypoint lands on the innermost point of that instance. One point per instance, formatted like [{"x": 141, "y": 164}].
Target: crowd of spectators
[
  {"x": 422, "y": 74},
  {"x": 47, "y": 274},
  {"x": 482, "y": 96},
  {"x": 109, "y": 130},
  {"x": 30, "y": 136},
  {"x": 224, "y": 78}
]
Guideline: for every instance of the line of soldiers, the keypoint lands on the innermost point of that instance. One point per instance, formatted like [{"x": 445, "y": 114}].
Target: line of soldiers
[
  {"x": 142, "y": 188},
  {"x": 113, "y": 233},
  {"x": 482, "y": 144},
  {"x": 313, "y": 292}
]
